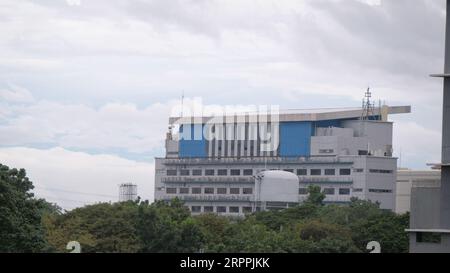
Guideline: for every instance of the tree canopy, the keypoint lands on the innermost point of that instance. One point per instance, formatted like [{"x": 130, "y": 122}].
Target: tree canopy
[{"x": 28, "y": 224}]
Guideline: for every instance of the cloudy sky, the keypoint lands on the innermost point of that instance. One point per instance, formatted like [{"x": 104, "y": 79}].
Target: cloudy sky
[{"x": 86, "y": 87}]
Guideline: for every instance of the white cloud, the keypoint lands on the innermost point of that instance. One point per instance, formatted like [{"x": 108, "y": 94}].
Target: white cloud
[
  {"x": 60, "y": 175},
  {"x": 416, "y": 144},
  {"x": 112, "y": 126},
  {"x": 123, "y": 56},
  {"x": 15, "y": 94}
]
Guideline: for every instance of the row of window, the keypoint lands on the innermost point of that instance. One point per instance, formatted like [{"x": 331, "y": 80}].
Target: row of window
[
  {"x": 380, "y": 171},
  {"x": 247, "y": 191},
  {"x": 327, "y": 191},
  {"x": 249, "y": 172},
  {"x": 380, "y": 191},
  {"x": 210, "y": 172},
  {"x": 199, "y": 190},
  {"x": 220, "y": 209},
  {"x": 343, "y": 191},
  {"x": 317, "y": 172}
]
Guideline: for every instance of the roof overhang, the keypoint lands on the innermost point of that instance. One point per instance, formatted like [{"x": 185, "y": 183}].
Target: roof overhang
[{"x": 295, "y": 115}]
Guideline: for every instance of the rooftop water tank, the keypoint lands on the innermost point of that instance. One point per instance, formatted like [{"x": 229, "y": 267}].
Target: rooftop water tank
[{"x": 277, "y": 186}]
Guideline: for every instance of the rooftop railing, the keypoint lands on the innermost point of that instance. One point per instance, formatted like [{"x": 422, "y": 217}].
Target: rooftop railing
[{"x": 253, "y": 160}]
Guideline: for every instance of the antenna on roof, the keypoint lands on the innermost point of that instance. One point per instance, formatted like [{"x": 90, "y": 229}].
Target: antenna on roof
[
  {"x": 367, "y": 106},
  {"x": 182, "y": 104}
]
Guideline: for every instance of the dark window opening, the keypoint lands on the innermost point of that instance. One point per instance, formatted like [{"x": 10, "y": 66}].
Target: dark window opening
[
  {"x": 235, "y": 172},
  {"x": 171, "y": 172},
  {"x": 428, "y": 237},
  {"x": 345, "y": 172}
]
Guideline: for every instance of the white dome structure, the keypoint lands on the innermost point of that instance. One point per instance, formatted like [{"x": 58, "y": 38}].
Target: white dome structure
[{"x": 277, "y": 186}]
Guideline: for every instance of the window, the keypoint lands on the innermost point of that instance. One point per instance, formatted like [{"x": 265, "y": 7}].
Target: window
[
  {"x": 363, "y": 152},
  {"x": 316, "y": 172},
  {"x": 208, "y": 209},
  {"x": 248, "y": 172},
  {"x": 209, "y": 190},
  {"x": 328, "y": 191},
  {"x": 380, "y": 171},
  {"x": 246, "y": 210},
  {"x": 345, "y": 172},
  {"x": 330, "y": 172},
  {"x": 358, "y": 170},
  {"x": 196, "y": 190},
  {"x": 196, "y": 172},
  {"x": 171, "y": 190},
  {"x": 209, "y": 172},
  {"x": 357, "y": 190},
  {"x": 221, "y": 209},
  {"x": 428, "y": 237},
  {"x": 184, "y": 190},
  {"x": 289, "y": 170},
  {"x": 234, "y": 209},
  {"x": 223, "y": 172},
  {"x": 196, "y": 209},
  {"x": 171, "y": 173},
  {"x": 344, "y": 191},
  {"x": 303, "y": 191},
  {"x": 247, "y": 191},
  {"x": 235, "y": 172},
  {"x": 379, "y": 191},
  {"x": 234, "y": 191},
  {"x": 301, "y": 172},
  {"x": 221, "y": 190},
  {"x": 326, "y": 151},
  {"x": 184, "y": 172}
]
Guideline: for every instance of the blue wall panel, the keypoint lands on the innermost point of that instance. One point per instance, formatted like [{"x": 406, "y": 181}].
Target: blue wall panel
[
  {"x": 192, "y": 142},
  {"x": 295, "y": 138}
]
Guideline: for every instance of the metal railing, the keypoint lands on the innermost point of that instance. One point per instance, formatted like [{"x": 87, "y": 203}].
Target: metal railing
[
  {"x": 253, "y": 160},
  {"x": 326, "y": 180},
  {"x": 207, "y": 179},
  {"x": 212, "y": 198}
]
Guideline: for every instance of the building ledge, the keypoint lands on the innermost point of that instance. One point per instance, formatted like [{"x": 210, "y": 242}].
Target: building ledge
[
  {"x": 445, "y": 75},
  {"x": 428, "y": 230}
]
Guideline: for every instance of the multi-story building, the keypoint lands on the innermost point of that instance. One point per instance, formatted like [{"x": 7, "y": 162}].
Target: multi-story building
[
  {"x": 408, "y": 179},
  {"x": 430, "y": 206},
  {"x": 211, "y": 162}
]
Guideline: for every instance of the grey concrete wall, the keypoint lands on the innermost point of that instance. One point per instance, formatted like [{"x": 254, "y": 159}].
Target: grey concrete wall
[
  {"x": 425, "y": 204},
  {"x": 443, "y": 247},
  {"x": 378, "y": 134}
]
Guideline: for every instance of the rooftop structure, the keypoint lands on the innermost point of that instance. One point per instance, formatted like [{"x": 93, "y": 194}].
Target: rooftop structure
[{"x": 127, "y": 192}]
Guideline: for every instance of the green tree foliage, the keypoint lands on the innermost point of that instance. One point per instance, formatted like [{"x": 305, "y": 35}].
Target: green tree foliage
[
  {"x": 20, "y": 213},
  {"x": 166, "y": 227},
  {"x": 99, "y": 228},
  {"x": 30, "y": 225},
  {"x": 315, "y": 196}
]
